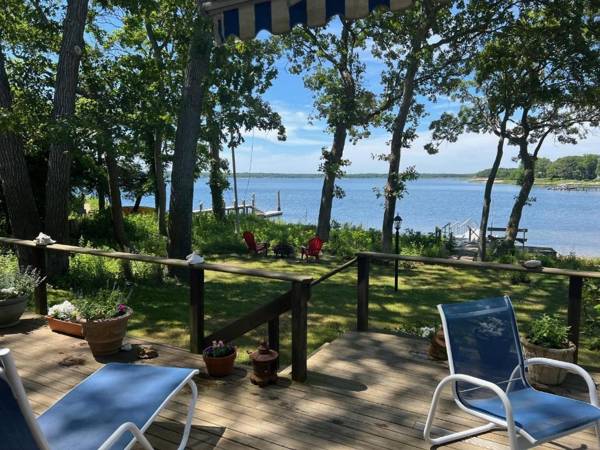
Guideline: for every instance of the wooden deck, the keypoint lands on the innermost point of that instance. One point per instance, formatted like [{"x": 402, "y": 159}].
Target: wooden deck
[{"x": 365, "y": 391}]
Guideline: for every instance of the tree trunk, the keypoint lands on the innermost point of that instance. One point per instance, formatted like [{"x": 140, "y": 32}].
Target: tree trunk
[
  {"x": 136, "y": 205},
  {"x": 186, "y": 140},
  {"x": 159, "y": 179},
  {"x": 487, "y": 200},
  {"x": 116, "y": 210},
  {"x": 489, "y": 185},
  {"x": 101, "y": 188},
  {"x": 331, "y": 167},
  {"x": 512, "y": 228},
  {"x": 216, "y": 182},
  {"x": 59, "y": 157},
  {"x": 16, "y": 184},
  {"x": 391, "y": 187}
]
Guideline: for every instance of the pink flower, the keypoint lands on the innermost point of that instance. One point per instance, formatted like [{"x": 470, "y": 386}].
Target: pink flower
[{"x": 122, "y": 309}]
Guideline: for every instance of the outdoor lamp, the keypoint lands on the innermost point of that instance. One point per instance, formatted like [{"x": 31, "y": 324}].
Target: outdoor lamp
[{"x": 397, "y": 222}]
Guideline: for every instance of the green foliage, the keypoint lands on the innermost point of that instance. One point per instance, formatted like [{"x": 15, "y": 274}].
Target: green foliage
[
  {"x": 566, "y": 168},
  {"x": 101, "y": 305},
  {"x": 15, "y": 282},
  {"x": 549, "y": 331}
]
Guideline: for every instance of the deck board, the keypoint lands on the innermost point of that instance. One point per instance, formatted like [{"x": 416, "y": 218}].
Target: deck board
[{"x": 364, "y": 391}]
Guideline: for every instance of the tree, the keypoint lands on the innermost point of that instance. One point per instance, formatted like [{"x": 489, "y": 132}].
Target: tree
[
  {"x": 14, "y": 174},
  {"x": 240, "y": 74},
  {"x": 186, "y": 139},
  {"x": 552, "y": 58},
  {"x": 334, "y": 72},
  {"x": 58, "y": 187},
  {"x": 424, "y": 49}
]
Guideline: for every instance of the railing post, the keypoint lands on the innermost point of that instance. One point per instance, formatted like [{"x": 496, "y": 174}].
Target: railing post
[
  {"x": 196, "y": 309},
  {"x": 273, "y": 336},
  {"x": 574, "y": 310},
  {"x": 362, "y": 305},
  {"x": 300, "y": 297},
  {"x": 40, "y": 294}
]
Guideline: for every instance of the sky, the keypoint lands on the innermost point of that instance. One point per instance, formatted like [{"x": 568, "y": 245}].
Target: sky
[{"x": 301, "y": 152}]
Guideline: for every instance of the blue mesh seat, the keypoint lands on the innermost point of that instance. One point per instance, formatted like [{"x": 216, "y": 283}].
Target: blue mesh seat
[
  {"x": 111, "y": 409},
  {"x": 488, "y": 378}
]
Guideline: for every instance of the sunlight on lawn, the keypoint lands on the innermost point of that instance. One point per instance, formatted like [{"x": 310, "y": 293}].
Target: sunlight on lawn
[{"x": 161, "y": 309}]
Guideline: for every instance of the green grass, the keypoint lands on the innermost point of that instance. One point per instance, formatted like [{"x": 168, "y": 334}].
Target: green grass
[{"x": 161, "y": 307}]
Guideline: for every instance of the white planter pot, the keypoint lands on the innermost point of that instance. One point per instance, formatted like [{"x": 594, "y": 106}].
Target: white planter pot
[{"x": 11, "y": 310}]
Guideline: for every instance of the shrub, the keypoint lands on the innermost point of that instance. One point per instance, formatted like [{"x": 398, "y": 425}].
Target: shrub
[{"x": 549, "y": 331}]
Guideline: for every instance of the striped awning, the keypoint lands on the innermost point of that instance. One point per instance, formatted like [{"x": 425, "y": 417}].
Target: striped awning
[{"x": 245, "y": 18}]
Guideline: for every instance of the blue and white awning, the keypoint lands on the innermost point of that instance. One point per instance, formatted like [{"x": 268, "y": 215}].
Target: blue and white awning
[{"x": 245, "y": 18}]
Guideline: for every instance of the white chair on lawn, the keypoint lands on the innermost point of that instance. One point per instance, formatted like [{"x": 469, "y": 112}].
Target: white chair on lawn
[
  {"x": 110, "y": 409},
  {"x": 488, "y": 379}
]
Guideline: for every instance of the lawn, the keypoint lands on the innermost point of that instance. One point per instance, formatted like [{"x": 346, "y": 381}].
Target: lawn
[{"x": 161, "y": 307}]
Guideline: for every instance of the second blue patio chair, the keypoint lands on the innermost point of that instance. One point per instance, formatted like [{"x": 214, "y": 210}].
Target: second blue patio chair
[
  {"x": 488, "y": 379},
  {"x": 111, "y": 409}
]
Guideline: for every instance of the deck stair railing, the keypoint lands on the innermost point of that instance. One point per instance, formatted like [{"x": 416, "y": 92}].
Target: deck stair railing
[{"x": 467, "y": 230}]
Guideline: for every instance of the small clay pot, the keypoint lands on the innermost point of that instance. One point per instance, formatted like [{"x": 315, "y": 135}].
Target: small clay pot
[
  {"x": 69, "y": 327},
  {"x": 219, "y": 366},
  {"x": 105, "y": 337},
  {"x": 540, "y": 374},
  {"x": 11, "y": 310}
]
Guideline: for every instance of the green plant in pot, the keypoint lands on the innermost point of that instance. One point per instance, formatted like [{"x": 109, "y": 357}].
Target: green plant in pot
[
  {"x": 16, "y": 288},
  {"x": 104, "y": 316},
  {"x": 548, "y": 338},
  {"x": 219, "y": 359}
]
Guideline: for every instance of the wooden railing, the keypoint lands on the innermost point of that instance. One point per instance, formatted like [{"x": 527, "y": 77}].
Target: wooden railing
[
  {"x": 574, "y": 301},
  {"x": 296, "y": 299}
]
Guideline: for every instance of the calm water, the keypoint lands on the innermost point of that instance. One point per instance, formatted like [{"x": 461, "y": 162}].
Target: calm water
[{"x": 566, "y": 221}]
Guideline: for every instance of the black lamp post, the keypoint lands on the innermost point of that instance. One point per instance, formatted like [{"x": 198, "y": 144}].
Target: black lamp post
[{"x": 397, "y": 225}]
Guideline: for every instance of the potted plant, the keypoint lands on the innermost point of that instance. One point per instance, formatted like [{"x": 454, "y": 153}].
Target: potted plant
[
  {"x": 15, "y": 291},
  {"x": 64, "y": 318},
  {"x": 104, "y": 317},
  {"x": 548, "y": 338},
  {"x": 219, "y": 359}
]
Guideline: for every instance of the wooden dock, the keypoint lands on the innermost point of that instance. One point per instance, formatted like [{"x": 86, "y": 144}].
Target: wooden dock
[{"x": 365, "y": 391}]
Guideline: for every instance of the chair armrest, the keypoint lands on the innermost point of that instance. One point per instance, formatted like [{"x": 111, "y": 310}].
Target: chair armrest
[
  {"x": 510, "y": 423},
  {"x": 573, "y": 368},
  {"x": 127, "y": 427}
]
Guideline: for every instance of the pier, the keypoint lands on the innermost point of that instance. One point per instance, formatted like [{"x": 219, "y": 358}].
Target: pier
[{"x": 247, "y": 209}]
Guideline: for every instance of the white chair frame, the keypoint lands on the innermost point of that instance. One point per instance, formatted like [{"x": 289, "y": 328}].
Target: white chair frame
[
  {"x": 8, "y": 371},
  {"x": 518, "y": 438}
]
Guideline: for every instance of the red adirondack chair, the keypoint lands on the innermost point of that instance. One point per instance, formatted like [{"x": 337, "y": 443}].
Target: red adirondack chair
[
  {"x": 313, "y": 248},
  {"x": 253, "y": 247}
]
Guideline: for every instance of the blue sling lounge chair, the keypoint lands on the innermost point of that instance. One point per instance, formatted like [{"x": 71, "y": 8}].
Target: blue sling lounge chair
[
  {"x": 488, "y": 379},
  {"x": 110, "y": 409}
]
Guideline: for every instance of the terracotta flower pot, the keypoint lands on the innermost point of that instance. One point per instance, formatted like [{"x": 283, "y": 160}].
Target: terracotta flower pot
[
  {"x": 105, "y": 337},
  {"x": 221, "y": 366},
  {"x": 547, "y": 375},
  {"x": 11, "y": 310},
  {"x": 69, "y": 327}
]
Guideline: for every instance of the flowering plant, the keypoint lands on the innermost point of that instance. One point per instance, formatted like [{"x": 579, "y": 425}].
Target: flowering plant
[
  {"x": 103, "y": 305},
  {"x": 63, "y": 311},
  {"x": 492, "y": 327},
  {"x": 16, "y": 283},
  {"x": 218, "y": 349},
  {"x": 426, "y": 332}
]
